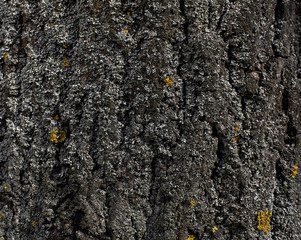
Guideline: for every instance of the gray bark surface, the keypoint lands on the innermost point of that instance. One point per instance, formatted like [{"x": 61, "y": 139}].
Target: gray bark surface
[{"x": 226, "y": 134}]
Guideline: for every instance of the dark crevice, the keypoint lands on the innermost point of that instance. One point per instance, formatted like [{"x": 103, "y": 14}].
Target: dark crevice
[
  {"x": 181, "y": 48},
  {"x": 240, "y": 153},
  {"x": 217, "y": 164},
  {"x": 210, "y": 15},
  {"x": 66, "y": 128},
  {"x": 3, "y": 127},
  {"x": 153, "y": 178},
  {"x": 279, "y": 10},
  {"x": 186, "y": 21},
  {"x": 78, "y": 216},
  {"x": 280, "y": 172},
  {"x": 21, "y": 176},
  {"x": 152, "y": 194},
  {"x": 57, "y": 154},
  {"x": 108, "y": 231},
  {"x": 291, "y": 133},
  {"x": 220, "y": 143},
  {"x": 20, "y": 53},
  {"x": 93, "y": 142},
  {"x": 285, "y": 100},
  {"x": 228, "y": 65},
  {"x": 78, "y": 107},
  {"x": 219, "y": 151},
  {"x": 220, "y": 21},
  {"x": 279, "y": 18},
  {"x": 280, "y": 178},
  {"x": 133, "y": 226},
  {"x": 179, "y": 72},
  {"x": 125, "y": 118}
]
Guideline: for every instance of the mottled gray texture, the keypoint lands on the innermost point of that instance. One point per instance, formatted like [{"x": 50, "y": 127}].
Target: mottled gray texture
[{"x": 138, "y": 152}]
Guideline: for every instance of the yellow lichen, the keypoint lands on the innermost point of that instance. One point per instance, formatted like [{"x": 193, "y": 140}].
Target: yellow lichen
[
  {"x": 214, "y": 229},
  {"x": 168, "y": 82},
  {"x": 264, "y": 219},
  {"x": 65, "y": 62},
  {"x": 57, "y": 136},
  {"x": 192, "y": 203},
  {"x": 65, "y": 46},
  {"x": 236, "y": 128},
  {"x": 5, "y": 56},
  {"x": 5, "y": 187},
  {"x": 191, "y": 237},
  {"x": 126, "y": 30},
  {"x": 33, "y": 224},
  {"x": 235, "y": 139},
  {"x": 51, "y": 25},
  {"x": 56, "y": 117},
  {"x": 294, "y": 171},
  {"x": 129, "y": 11}
]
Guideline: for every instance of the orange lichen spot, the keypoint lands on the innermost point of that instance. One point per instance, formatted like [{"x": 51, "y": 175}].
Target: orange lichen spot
[
  {"x": 65, "y": 62},
  {"x": 5, "y": 56},
  {"x": 214, "y": 229},
  {"x": 200, "y": 27},
  {"x": 236, "y": 128},
  {"x": 51, "y": 25},
  {"x": 5, "y": 187},
  {"x": 235, "y": 139},
  {"x": 191, "y": 237},
  {"x": 192, "y": 203},
  {"x": 264, "y": 219},
  {"x": 126, "y": 30},
  {"x": 168, "y": 82},
  {"x": 294, "y": 171},
  {"x": 65, "y": 46},
  {"x": 57, "y": 136},
  {"x": 33, "y": 224},
  {"x": 56, "y": 117},
  {"x": 129, "y": 11}
]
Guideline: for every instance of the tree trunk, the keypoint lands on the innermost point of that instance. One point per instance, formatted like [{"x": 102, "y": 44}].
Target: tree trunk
[{"x": 150, "y": 119}]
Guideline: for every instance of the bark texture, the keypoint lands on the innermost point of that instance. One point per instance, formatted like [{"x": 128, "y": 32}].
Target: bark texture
[{"x": 226, "y": 134}]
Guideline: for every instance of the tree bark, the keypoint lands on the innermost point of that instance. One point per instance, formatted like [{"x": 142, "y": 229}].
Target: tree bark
[{"x": 94, "y": 144}]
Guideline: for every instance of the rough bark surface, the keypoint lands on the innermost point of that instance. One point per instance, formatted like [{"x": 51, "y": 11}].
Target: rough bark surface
[{"x": 226, "y": 134}]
